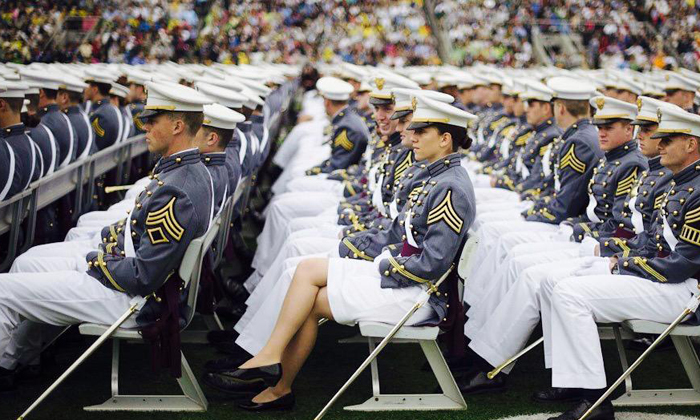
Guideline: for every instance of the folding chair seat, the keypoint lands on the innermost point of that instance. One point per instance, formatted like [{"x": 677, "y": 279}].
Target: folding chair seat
[
  {"x": 451, "y": 398},
  {"x": 193, "y": 398},
  {"x": 681, "y": 337}
]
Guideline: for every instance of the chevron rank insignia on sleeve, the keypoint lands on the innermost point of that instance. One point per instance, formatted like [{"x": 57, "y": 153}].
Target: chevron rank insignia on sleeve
[
  {"x": 690, "y": 233},
  {"x": 570, "y": 160},
  {"x": 343, "y": 141},
  {"x": 162, "y": 224},
  {"x": 138, "y": 122},
  {"x": 445, "y": 212},
  {"x": 401, "y": 167},
  {"x": 96, "y": 126},
  {"x": 658, "y": 201},
  {"x": 625, "y": 186},
  {"x": 522, "y": 140}
]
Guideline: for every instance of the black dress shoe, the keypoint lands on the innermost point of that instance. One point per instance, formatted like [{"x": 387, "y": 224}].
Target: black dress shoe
[
  {"x": 270, "y": 374},
  {"x": 226, "y": 384},
  {"x": 235, "y": 290},
  {"x": 7, "y": 380},
  {"x": 215, "y": 337},
  {"x": 479, "y": 383},
  {"x": 604, "y": 411},
  {"x": 285, "y": 402},
  {"x": 225, "y": 364},
  {"x": 558, "y": 395}
]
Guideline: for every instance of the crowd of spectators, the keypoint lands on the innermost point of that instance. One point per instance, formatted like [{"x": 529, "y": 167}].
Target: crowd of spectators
[
  {"x": 613, "y": 33},
  {"x": 634, "y": 33}
]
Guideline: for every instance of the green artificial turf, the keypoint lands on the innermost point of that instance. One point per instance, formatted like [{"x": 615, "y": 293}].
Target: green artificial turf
[{"x": 327, "y": 369}]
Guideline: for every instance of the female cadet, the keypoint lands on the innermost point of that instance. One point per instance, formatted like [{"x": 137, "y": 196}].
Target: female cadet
[{"x": 425, "y": 239}]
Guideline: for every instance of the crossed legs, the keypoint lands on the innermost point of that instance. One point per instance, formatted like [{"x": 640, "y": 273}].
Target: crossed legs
[{"x": 294, "y": 334}]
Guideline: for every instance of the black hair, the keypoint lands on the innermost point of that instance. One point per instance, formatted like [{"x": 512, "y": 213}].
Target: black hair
[
  {"x": 15, "y": 104},
  {"x": 225, "y": 135},
  {"x": 460, "y": 139},
  {"x": 103, "y": 88},
  {"x": 75, "y": 97},
  {"x": 193, "y": 120},
  {"x": 50, "y": 93}
]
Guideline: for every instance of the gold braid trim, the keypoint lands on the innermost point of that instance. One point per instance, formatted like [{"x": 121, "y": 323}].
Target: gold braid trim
[
  {"x": 357, "y": 252},
  {"x": 105, "y": 271}
]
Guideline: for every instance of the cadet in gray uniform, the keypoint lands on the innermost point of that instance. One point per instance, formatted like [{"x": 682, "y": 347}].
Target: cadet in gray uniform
[
  {"x": 52, "y": 117},
  {"x": 654, "y": 284},
  {"x": 26, "y": 158},
  {"x": 104, "y": 117},
  {"x": 348, "y": 290},
  {"x": 70, "y": 94},
  {"x": 349, "y": 136},
  {"x": 140, "y": 256}
]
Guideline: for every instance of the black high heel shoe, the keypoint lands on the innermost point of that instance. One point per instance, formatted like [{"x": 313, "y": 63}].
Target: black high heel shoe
[
  {"x": 270, "y": 374},
  {"x": 285, "y": 402}
]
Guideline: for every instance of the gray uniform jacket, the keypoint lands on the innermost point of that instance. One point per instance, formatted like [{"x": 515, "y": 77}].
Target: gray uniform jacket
[
  {"x": 349, "y": 139},
  {"x": 83, "y": 131},
  {"x": 441, "y": 211},
  {"x": 62, "y": 129},
  {"x": 27, "y": 158},
  {"x": 578, "y": 155},
  {"x": 104, "y": 119},
  {"x": 610, "y": 186},
  {"x": 642, "y": 204},
  {"x": 173, "y": 210}
]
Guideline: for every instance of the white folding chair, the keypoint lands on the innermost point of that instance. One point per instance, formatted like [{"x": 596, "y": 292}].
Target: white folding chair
[
  {"x": 681, "y": 337},
  {"x": 451, "y": 398},
  {"x": 193, "y": 398}
]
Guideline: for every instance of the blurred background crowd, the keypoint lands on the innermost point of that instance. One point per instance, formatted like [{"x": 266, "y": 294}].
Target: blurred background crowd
[{"x": 602, "y": 33}]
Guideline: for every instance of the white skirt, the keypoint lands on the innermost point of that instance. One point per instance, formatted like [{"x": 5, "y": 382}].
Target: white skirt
[{"x": 355, "y": 294}]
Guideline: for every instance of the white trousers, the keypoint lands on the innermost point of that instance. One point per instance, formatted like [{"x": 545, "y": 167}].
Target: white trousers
[
  {"x": 56, "y": 298},
  {"x": 57, "y": 256},
  {"x": 507, "y": 329},
  {"x": 578, "y": 303},
  {"x": 509, "y": 272},
  {"x": 495, "y": 241}
]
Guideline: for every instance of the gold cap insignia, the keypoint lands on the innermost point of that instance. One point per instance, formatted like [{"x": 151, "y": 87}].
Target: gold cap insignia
[
  {"x": 667, "y": 77},
  {"x": 639, "y": 104},
  {"x": 600, "y": 102},
  {"x": 379, "y": 81},
  {"x": 414, "y": 103},
  {"x": 658, "y": 114}
]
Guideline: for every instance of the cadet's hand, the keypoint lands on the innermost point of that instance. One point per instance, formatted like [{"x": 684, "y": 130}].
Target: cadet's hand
[
  {"x": 493, "y": 182},
  {"x": 613, "y": 262}
]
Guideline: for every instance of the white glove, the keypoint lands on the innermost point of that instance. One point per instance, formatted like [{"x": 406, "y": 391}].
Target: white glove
[
  {"x": 564, "y": 233},
  {"x": 593, "y": 267},
  {"x": 588, "y": 246}
]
